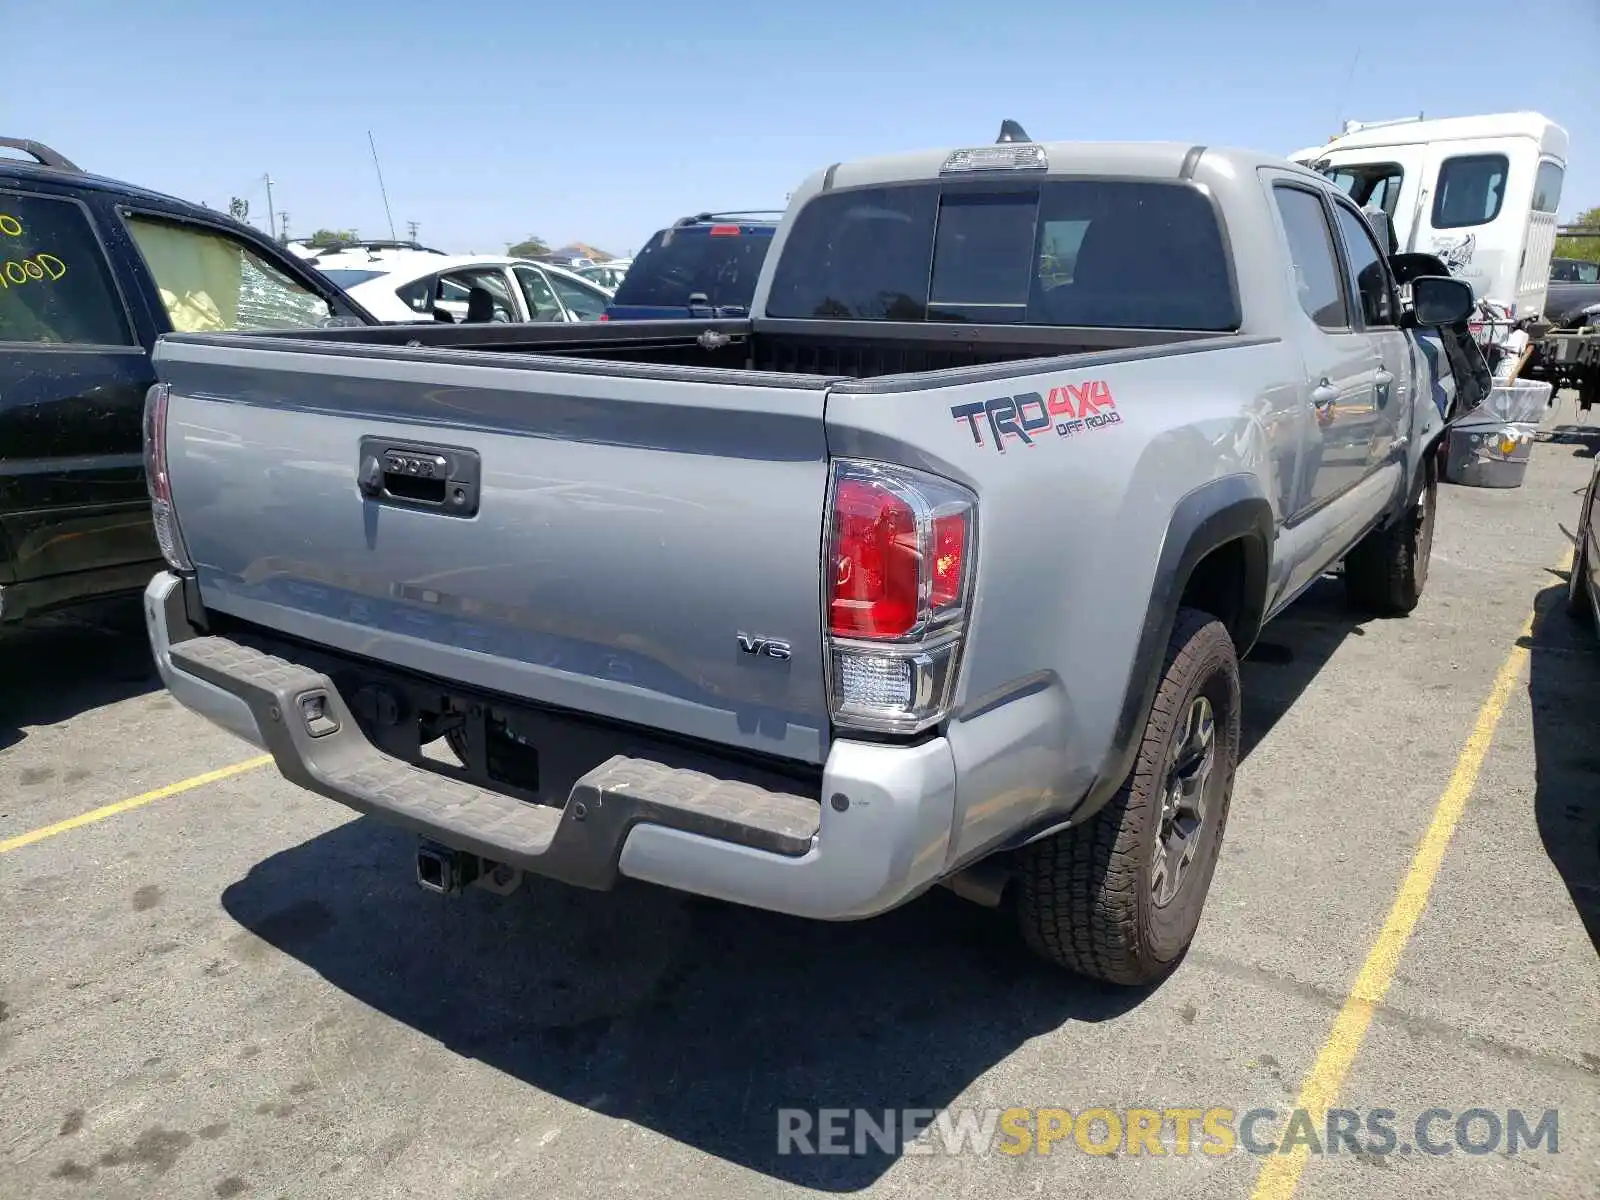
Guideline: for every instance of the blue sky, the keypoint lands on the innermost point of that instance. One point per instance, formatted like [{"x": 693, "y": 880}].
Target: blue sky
[{"x": 604, "y": 121}]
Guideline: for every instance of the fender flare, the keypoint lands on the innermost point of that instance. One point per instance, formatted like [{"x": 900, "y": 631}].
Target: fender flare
[{"x": 1225, "y": 510}]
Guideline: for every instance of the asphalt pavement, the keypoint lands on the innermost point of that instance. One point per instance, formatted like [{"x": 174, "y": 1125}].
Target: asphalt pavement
[{"x": 235, "y": 988}]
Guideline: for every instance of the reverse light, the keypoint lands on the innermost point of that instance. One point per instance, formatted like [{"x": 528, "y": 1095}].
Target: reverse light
[
  {"x": 158, "y": 482},
  {"x": 900, "y": 558}
]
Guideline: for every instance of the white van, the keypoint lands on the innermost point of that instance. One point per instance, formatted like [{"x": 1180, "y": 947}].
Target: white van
[{"x": 1478, "y": 192}]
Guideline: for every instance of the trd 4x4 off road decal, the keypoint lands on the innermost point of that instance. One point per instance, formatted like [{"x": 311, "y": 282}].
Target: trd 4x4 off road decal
[{"x": 1070, "y": 409}]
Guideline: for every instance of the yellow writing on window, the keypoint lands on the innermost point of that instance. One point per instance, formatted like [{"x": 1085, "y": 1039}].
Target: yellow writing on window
[
  {"x": 10, "y": 226},
  {"x": 14, "y": 272}
]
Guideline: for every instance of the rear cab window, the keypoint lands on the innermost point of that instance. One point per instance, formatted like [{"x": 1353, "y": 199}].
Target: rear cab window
[
  {"x": 210, "y": 281},
  {"x": 1057, "y": 252},
  {"x": 56, "y": 287},
  {"x": 1571, "y": 271},
  {"x": 720, "y": 262}
]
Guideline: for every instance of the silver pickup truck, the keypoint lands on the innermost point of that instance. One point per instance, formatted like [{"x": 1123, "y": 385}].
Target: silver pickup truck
[{"x": 937, "y": 569}]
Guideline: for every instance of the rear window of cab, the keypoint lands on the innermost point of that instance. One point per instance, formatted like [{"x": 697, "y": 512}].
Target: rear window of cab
[{"x": 1097, "y": 253}]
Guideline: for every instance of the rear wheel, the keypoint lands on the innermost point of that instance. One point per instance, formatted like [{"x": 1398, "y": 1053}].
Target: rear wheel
[
  {"x": 1120, "y": 897},
  {"x": 1387, "y": 569}
]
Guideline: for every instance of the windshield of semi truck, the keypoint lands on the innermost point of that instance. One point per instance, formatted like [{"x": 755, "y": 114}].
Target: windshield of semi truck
[
  {"x": 1369, "y": 184},
  {"x": 1100, "y": 253}
]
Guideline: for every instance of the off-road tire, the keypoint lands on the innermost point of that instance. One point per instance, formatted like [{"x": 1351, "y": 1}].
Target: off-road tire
[
  {"x": 1085, "y": 896},
  {"x": 1387, "y": 570}
]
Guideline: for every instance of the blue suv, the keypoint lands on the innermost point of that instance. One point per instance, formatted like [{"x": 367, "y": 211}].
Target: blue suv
[{"x": 701, "y": 266}]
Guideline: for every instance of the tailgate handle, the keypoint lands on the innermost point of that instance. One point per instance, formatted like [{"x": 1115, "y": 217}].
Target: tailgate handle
[{"x": 442, "y": 479}]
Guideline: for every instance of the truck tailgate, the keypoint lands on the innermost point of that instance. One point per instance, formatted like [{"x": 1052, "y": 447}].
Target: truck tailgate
[{"x": 623, "y": 543}]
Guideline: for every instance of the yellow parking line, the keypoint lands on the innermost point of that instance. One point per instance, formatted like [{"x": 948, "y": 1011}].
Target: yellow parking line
[
  {"x": 1280, "y": 1174},
  {"x": 139, "y": 801}
]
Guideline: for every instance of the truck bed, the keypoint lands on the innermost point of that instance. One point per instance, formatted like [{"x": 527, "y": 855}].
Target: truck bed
[
  {"x": 852, "y": 349},
  {"x": 605, "y": 522}
]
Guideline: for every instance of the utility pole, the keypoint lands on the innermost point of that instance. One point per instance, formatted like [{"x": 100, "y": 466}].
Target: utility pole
[
  {"x": 272, "y": 221},
  {"x": 411, "y": 227},
  {"x": 283, "y": 222}
]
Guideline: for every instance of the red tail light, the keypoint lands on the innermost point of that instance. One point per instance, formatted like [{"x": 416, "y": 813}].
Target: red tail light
[
  {"x": 724, "y": 231},
  {"x": 605, "y": 316},
  {"x": 155, "y": 443},
  {"x": 900, "y": 564},
  {"x": 159, "y": 482},
  {"x": 874, "y": 562}
]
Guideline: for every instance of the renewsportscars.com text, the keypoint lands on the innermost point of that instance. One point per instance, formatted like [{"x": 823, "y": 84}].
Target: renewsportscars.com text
[{"x": 1156, "y": 1132}]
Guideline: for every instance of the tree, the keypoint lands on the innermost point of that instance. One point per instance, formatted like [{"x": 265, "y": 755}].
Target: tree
[
  {"x": 327, "y": 237},
  {"x": 531, "y": 246},
  {"x": 1586, "y": 248},
  {"x": 239, "y": 208}
]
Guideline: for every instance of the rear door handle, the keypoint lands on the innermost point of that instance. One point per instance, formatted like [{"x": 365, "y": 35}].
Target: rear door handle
[{"x": 441, "y": 479}]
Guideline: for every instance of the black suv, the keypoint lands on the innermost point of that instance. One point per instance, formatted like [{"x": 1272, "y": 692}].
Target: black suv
[
  {"x": 92, "y": 271},
  {"x": 700, "y": 266}
]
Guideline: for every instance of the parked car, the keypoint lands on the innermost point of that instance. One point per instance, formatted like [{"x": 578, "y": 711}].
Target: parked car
[
  {"x": 368, "y": 249},
  {"x": 1054, "y": 516},
  {"x": 608, "y": 274},
  {"x": 470, "y": 288},
  {"x": 701, "y": 266},
  {"x": 92, "y": 271}
]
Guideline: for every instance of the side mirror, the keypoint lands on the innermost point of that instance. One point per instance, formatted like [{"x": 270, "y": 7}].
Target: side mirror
[
  {"x": 698, "y": 300},
  {"x": 1440, "y": 300},
  {"x": 1382, "y": 228}
]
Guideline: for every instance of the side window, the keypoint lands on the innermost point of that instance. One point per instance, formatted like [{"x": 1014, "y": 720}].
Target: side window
[
  {"x": 1471, "y": 189},
  {"x": 542, "y": 305},
  {"x": 1316, "y": 268},
  {"x": 56, "y": 287},
  {"x": 212, "y": 282},
  {"x": 492, "y": 301},
  {"x": 1366, "y": 265},
  {"x": 580, "y": 301},
  {"x": 418, "y": 294},
  {"x": 1547, "y": 187}
]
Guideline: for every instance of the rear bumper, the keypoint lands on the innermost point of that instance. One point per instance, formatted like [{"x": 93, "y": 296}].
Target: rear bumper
[{"x": 879, "y": 837}]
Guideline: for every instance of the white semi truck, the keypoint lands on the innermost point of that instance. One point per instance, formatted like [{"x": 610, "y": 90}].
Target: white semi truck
[{"x": 1479, "y": 193}]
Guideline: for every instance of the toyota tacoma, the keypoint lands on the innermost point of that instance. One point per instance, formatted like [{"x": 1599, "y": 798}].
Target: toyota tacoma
[{"x": 934, "y": 569}]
